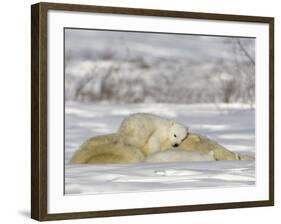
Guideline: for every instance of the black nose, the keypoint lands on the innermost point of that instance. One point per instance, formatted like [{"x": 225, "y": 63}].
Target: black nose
[{"x": 176, "y": 145}]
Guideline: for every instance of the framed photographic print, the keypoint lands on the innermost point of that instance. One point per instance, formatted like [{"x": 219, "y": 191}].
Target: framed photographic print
[{"x": 140, "y": 111}]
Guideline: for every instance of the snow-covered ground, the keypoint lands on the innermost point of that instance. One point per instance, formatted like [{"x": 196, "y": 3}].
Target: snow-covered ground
[{"x": 231, "y": 125}]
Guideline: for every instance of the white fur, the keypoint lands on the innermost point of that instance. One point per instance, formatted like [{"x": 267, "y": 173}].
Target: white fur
[
  {"x": 150, "y": 131},
  {"x": 178, "y": 155}
]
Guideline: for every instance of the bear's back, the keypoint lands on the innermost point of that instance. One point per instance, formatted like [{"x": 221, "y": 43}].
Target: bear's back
[
  {"x": 144, "y": 120},
  {"x": 137, "y": 128}
]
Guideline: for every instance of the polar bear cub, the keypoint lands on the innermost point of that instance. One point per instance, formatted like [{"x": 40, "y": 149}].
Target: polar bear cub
[
  {"x": 149, "y": 132},
  {"x": 179, "y": 155}
]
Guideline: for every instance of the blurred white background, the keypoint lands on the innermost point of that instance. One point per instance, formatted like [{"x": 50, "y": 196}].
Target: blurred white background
[
  {"x": 138, "y": 67},
  {"x": 15, "y": 111}
]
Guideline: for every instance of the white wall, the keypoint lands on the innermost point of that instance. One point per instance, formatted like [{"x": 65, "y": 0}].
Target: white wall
[{"x": 15, "y": 111}]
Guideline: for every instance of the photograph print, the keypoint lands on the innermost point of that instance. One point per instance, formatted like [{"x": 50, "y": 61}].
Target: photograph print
[{"x": 148, "y": 111}]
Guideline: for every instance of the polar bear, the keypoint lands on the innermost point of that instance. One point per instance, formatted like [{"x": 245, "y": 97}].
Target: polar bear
[
  {"x": 179, "y": 155},
  {"x": 202, "y": 144},
  {"x": 149, "y": 132},
  {"x": 106, "y": 149}
]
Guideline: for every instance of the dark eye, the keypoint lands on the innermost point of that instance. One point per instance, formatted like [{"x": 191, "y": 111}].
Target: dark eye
[{"x": 175, "y": 136}]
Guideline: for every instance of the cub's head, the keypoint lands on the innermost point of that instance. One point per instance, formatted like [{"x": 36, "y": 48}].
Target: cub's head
[{"x": 177, "y": 133}]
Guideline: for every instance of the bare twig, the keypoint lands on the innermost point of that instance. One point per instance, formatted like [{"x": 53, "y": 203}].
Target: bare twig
[{"x": 246, "y": 53}]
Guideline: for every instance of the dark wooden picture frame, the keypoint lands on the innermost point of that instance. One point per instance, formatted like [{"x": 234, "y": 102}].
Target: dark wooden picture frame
[{"x": 39, "y": 109}]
